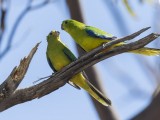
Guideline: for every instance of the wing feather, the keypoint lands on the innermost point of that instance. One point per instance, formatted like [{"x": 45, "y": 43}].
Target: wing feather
[{"x": 97, "y": 33}]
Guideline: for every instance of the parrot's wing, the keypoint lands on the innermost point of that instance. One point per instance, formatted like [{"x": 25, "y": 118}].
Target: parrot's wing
[
  {"x": 50, "y": 64},
  {"x": 69, "y": 54},
  {"x": 97, "y": 33},
  {"x": 72, "y": 58}
]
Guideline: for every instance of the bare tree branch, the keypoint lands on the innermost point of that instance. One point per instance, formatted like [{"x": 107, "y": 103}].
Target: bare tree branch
[
  {"x": 60, "y": 78},
  {"x": 28, "y": 8},
  {"x": 16, "y": 76}
]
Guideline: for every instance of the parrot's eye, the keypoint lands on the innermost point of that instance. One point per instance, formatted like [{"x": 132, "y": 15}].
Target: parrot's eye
[
  {"x": 50, "y": 33},
  {"x": 65, "y": 22}
]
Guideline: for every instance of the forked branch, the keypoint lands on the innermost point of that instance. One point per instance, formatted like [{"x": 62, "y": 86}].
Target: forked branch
[{"x": 9, "y": 96}]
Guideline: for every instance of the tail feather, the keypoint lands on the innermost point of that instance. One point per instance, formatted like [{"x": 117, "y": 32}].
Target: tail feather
[
  {"x": 147, "y": 51},
  {"x": 95, "y": 93},
  {"x": 81, "y": 81}
]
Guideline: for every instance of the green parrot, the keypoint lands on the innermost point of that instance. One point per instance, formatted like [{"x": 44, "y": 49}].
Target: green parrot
[
  {"x": 59, "y": 56},
  {"x": 89, "y": 37}
]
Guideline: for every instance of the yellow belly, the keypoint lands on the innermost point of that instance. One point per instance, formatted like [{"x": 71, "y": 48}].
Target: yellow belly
[{"x": 60, "y": 60}]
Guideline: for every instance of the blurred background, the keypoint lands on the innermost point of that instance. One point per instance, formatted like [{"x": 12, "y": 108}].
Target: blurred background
[{"x": 130, "y": 81}]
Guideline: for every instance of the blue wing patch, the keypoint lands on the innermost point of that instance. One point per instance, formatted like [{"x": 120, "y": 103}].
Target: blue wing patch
[{"x": 96, "y": 33}]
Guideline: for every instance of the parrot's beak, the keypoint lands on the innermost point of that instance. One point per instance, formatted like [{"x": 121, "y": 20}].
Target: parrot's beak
[
  {"x": 57, "y": 33},
  {"x": 62, "y": 27}
]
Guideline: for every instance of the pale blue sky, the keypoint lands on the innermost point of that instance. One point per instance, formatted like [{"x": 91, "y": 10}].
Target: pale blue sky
[{"x": 68, "y": 103}]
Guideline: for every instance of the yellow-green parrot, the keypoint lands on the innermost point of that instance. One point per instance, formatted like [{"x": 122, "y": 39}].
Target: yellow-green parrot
[
  {"x": 89, "y": 37},
  {"x": 59, "y": 56}
]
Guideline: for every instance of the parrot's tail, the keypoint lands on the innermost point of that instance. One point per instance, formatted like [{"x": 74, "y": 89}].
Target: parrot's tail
[
  {"x": 95, "y": 93},
  {"x": 81, "y": 81},
  {"x": 147, "y": 51}
]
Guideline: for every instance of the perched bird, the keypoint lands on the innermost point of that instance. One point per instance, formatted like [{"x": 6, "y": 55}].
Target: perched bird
[
  {"x": 89, "y": 37},
  {"x": 59, "y": 56}
]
